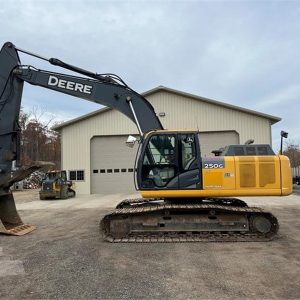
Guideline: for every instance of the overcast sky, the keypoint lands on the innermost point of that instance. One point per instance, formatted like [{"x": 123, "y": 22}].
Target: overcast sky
[{"x": 244, "y": 53}]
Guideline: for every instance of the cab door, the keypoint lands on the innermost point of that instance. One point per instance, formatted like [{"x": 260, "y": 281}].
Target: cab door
[
  {"x": 158, "y": 164},
  {"x": 170, "y": 161}
]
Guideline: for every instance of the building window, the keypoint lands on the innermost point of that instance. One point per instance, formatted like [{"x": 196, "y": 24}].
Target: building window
[
  {"x": 80, "y": 175},
  {"x": 116, "y": 170},
  {"x": 95, "y": 171},
  {"x": 123, "y": 170},
  {"x": 72, "y": 175},
  {"x": 109, "y": 170},
  {"x": 77, "y": 175},
  {"x": 102, "y": 171}
]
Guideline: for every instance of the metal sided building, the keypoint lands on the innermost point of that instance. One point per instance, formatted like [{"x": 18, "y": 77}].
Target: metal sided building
[{"x": 96, "y": 157}]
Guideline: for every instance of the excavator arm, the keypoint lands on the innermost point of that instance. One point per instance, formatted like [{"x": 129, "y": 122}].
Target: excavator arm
[{"x": 107, "y": 89}]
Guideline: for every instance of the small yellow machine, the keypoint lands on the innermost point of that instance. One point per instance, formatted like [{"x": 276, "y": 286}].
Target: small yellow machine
[{"x": 56, "y": 186}]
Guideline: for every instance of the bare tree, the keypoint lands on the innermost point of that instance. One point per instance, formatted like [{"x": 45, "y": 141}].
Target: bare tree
[
  {"x": 38, "y": 141},
  {"x": 293, "y": 153}
]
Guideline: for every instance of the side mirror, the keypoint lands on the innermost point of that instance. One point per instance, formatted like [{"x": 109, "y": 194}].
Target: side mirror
[{"x": 130, "y": 141}]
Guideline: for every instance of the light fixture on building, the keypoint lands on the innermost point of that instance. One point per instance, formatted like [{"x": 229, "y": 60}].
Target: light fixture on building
[
  {"x": 130, "y": 141},
  {"x": 283, "y": 134},
  {"x": 162, "y": 114}
]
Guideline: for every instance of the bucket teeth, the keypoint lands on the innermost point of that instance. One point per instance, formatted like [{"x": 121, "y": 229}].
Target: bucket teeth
[{"x": 16, "y": 230}]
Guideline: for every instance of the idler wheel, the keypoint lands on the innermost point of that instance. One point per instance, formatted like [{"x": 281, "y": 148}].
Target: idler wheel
[{"x": 261, "y": 224}]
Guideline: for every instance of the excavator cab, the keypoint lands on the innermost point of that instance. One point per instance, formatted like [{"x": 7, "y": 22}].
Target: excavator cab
[{"x": 170, "y": 160}]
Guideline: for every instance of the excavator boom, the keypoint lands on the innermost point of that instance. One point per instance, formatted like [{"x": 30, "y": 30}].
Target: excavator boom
[{"x": 107, "y": 90}]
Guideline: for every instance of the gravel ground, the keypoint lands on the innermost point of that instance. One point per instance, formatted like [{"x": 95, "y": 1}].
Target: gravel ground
[{"x": 67, "y": 258}]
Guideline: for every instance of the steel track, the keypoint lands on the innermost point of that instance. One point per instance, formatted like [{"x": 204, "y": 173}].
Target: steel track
[{"x": 143, "y": 208}]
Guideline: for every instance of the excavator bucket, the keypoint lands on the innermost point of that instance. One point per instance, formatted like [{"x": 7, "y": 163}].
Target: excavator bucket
[{"x": 10, "y": 221}]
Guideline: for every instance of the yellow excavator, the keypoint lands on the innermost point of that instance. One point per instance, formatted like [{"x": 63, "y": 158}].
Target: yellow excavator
[{"x": 185, "y": 197}]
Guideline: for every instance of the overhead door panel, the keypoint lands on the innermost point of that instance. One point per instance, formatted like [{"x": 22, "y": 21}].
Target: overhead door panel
[{"x": 112, "y": 164}]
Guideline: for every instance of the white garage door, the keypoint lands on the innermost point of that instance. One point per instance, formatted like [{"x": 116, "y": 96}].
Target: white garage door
[
  {"x": 112, "y": 162},
  {"x": 215, "y": 140}
]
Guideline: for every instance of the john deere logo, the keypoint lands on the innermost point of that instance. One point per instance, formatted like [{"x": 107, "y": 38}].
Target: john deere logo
[{"x": 69, "y": 85}]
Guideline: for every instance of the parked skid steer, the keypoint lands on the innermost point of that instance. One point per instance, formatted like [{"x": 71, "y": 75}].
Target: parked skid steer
[
  {"x": 185, "y": 197},
  {"x": 56, "y": 186}
]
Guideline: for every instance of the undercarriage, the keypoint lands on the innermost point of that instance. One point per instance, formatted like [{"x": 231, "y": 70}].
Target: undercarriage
[{"x": 200, "y": 220}]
